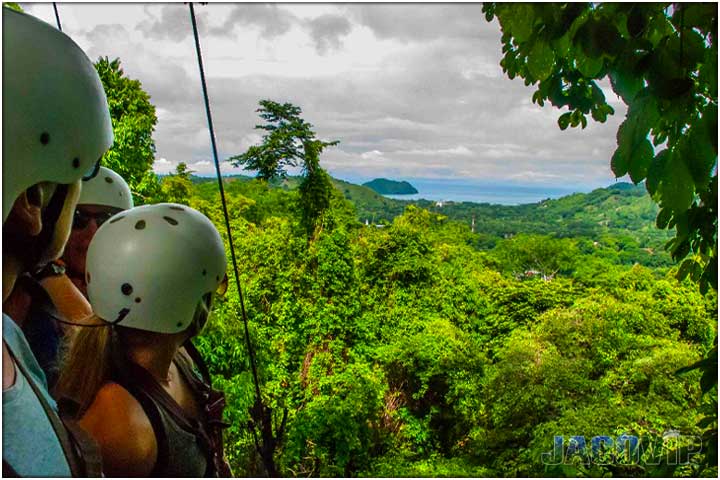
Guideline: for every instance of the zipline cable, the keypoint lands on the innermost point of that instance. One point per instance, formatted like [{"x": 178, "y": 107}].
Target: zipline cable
[
  {"x": 57, "y": 16},
  {"x": 224, "y": 204}
]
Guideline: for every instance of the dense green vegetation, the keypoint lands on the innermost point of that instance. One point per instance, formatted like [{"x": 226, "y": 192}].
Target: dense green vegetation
[
  {"x": 661, "y": 60},
  {"x": 384, "y": 186},
  {"x": 423, "y": 349},
  {"x": 616, "y": 223}
]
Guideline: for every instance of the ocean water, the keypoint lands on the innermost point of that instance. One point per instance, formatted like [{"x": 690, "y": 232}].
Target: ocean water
[{"x": 481, "y": 192}]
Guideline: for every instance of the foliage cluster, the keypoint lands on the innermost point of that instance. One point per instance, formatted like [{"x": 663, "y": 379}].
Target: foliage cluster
[
  {"x": 661, "y": 60},
  {"x": 406, "y": 350},
  {"x": 133, "y": 119}
]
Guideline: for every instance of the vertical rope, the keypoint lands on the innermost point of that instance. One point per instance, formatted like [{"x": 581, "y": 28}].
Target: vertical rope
[
  {"x": 224, "y": 204},
  {"x": 57, "y": 16}
]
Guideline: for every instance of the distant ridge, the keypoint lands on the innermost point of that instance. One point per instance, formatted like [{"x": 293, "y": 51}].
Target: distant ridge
[{"x": 383, "y": 186}]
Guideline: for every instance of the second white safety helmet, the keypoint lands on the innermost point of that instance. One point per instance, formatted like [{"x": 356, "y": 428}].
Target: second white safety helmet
[
  {"x": 56, "y": 122},
  {"x": 107, "y": 189},
  {"x": 150, "y": 266}
]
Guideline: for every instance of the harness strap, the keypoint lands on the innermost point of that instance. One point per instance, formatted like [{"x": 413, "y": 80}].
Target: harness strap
[
  {"x": 198, "y": 360},
  {"x": 213, "y": 408},
  {"x": 68, "y": 447},
  {"x": 143, "y": 386},
  {"x": 153, "y": 414}
]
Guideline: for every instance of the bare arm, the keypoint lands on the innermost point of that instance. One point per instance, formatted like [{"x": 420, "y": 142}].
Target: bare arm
[{"x": 69, "y": 301}]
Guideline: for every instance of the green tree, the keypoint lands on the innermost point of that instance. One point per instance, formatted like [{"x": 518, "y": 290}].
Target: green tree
[
  {"x": 536, "y": 255},
  {"x": 133, "y": 119},
  {"x": 290, "y": 142},
  {"x": 177, "y": 187},
  {"x": 661, "y": 59},
  {"x": 315, "y": 188},
  {"x": 285, "y": 143}
]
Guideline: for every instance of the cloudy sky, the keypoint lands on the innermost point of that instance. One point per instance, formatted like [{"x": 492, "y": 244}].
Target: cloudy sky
[{"x": 410, "y": 90}]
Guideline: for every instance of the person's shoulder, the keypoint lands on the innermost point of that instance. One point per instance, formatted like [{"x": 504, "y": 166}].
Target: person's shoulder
[{"x": 123, "y": 430}]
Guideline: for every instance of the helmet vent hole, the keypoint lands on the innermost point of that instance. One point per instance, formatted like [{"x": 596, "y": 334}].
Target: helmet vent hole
[
  {"x": 126, "y": 289},
  {"x": 204, "y": 272},
  {"x": 177, "y": 208},
  {"x": 170, "y": 220},
  {"x": 179, "y": 324},
  {"x": 138, "y": 300},
  {"x": 217, "y": 277},
  {"x": 76, "y": 162},
  {"x": 88, "y": 277},
  {"x": 44, "y": 138},
  {"x": 108, "y": 180},
  {"x": 140, "y": 225},
  {"x": 114, "y": 220}
]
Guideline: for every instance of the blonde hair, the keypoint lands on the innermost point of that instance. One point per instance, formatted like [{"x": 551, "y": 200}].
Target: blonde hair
[{"x": 87, "y": 362}]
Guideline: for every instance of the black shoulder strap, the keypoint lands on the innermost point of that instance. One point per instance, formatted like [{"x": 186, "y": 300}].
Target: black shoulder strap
[
  {"x": 61, "y": 433},
  {"x": 213, "y": 405},
  {"x": 198, "y": 360}
]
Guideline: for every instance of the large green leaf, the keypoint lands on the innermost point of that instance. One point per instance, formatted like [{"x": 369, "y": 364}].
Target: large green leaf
[
  {"x": 541, "y": 60},
  {"x": 588, "y": 66},
  {"x": 519, "y": 19},
  {"x": 618, "y": 163},
  {"x": 676, "y": 188},
  {"x": 639, "y": 161},
  {"x": 656, "y": 170},
  {"x": 698, "y": 153},
  {"x": 633, "y": 144},
  {"x": 624, "y": 81}
]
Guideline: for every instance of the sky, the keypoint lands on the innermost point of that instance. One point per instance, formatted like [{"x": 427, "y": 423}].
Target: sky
[{"x": 411, "y": 91}]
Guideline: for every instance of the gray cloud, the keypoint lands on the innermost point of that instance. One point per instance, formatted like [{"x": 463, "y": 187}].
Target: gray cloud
[
  {"x": 327, "y": 32},
  {"x": 173, "y": 24},
  {"x": 438, "y": 106},
  {"x": 269, "y": 19},
  {"x": 420, "y": 22},
  {"x": 102, "y": 37}
]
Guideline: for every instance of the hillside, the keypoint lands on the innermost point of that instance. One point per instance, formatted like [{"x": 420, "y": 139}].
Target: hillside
[
  {"x": 423, "y": 349},
  {"x": 384, "y": 186},
  {"x": 617, "y": 222}
]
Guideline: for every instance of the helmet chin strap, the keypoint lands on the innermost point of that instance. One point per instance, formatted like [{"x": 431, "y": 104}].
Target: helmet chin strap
[{"x": 50, "y": 216}]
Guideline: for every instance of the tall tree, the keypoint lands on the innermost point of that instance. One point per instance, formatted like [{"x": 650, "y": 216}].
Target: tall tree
[
  {"x": 290, "y": 141},
  {"x": 529, "y": 255},
  {"x": 661, "y": 59},
  {"x": 177, "y": 187},
  {"x": 133, "y": 119}
]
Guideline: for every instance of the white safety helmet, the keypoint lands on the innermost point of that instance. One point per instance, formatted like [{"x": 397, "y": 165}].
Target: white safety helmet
[
  {"x": 56, "y": 122},
  {"x": 107, "y": 189},
  {"x": 150, "y": 266}
]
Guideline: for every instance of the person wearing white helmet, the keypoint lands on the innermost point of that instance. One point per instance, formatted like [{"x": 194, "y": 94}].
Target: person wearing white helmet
[
  {"x": 45, "y": 303},
  {"x": 101, "y": 198},
  {"x": 56, "y": 128},
  {"x": 151, "y": 275}
]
